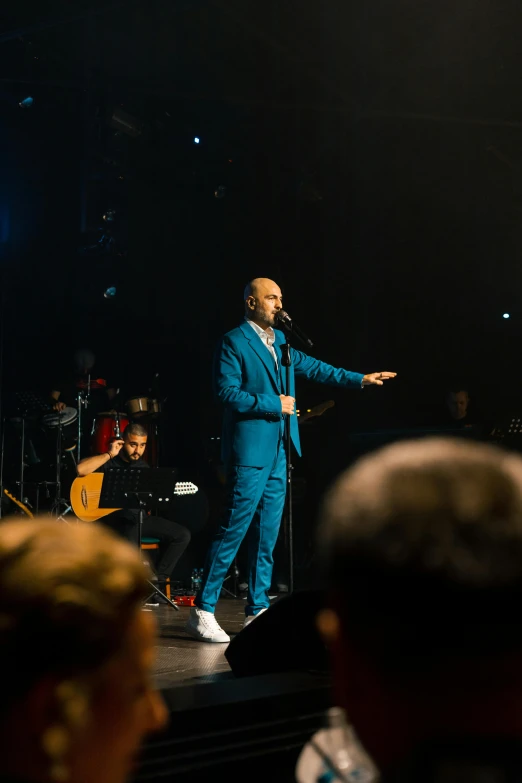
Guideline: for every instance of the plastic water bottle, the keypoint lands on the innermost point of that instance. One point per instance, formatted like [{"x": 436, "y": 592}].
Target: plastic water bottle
[{"x": 335, "y": 754}]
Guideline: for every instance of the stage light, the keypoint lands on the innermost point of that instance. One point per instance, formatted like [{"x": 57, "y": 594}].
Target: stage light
[
  {"x": 506, "y": 315},
  {"x": 110, "y": 293},
  {"x": 196, "y": 139},
  {"x": 26, "y": 103}
]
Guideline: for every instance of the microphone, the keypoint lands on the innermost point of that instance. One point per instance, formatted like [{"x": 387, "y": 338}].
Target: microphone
[{"x": 283, "y": 318}]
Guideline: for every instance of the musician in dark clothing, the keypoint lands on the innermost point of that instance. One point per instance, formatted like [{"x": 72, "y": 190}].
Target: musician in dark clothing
[
  {"x": 87, "y": 378},
  {"x": 127, "y": 452}
]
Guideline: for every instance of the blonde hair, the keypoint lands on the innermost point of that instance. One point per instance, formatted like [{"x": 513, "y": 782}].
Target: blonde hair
[{"x": 67, "y": 596}]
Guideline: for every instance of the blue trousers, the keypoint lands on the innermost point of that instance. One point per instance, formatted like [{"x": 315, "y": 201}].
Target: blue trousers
[{"x": 255, "y": 499}]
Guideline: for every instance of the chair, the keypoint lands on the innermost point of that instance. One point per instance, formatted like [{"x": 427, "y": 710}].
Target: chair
[{"x": 153, "y": 544}]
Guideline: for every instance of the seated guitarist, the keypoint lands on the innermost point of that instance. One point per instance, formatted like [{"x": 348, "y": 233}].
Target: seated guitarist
[{"x": 127, "y": 452}]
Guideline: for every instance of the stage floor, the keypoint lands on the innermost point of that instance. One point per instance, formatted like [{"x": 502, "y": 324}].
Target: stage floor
[
  {"x": 221, "y": 724},
  {"x": 181, "y": 660}
]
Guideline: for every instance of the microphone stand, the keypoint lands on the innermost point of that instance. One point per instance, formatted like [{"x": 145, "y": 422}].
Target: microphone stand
[{"x": 286, "y": 361}]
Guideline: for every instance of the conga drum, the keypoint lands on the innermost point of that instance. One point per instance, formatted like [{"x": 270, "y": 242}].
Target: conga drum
[
  {"x": 67, "y": 419},
  {"x": 106, "y": 429}
]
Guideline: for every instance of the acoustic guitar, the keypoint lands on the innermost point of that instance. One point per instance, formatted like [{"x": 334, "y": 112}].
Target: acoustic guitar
[
  {"x": 86, "y": 491},
  {"x": 19, "y": 504}
]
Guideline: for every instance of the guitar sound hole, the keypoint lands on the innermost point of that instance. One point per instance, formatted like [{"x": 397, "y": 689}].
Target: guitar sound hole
[{"x": 84, "y": 497}]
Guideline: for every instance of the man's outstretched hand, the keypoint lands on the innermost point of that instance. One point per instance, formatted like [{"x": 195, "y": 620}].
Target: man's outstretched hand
[{"x": 377, "y": 378}]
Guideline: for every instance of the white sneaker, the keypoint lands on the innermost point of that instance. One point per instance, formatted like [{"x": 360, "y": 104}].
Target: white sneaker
[
  {"x": 204, "y": 627},
  {"x": 251, "y": 617}
]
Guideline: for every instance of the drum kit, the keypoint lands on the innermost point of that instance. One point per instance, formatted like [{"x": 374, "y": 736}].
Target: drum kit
[
  {"x": 109, "y": 425},
  {"x": 143, "y": 407},
  {"x": 49, "y": 439}
]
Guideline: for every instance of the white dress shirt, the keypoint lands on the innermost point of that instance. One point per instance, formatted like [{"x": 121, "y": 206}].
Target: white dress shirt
[{"x": 267, "y": 337}]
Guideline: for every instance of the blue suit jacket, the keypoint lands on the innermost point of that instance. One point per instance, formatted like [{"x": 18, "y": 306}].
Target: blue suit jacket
[{"x": 248, "y": 384}]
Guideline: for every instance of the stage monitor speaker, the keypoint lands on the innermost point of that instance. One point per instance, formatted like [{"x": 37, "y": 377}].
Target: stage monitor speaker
[{"x": 282, "y": 639}]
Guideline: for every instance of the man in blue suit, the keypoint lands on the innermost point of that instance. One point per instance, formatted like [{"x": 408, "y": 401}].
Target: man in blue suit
[{"x": 250, "y": 382}]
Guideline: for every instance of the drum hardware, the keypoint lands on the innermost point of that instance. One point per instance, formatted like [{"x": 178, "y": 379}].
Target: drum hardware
[
  {"x": 83, "y": 402},
  {"x": 59, "y": 434},
  {"x": 72, "y": 457},
  {"x": 117, "y": 433},
  {"x": 28, "y": 407},
  {"x": 62, "y": 421},
  {"x": 61, "y": 517},
  {"x": 45, "y": 484},
  {"x": 154, "y": 407},
  {"x": 56, "y": 509},
  {"x": 106, "y": 427},
  {"x": 92, "y": 384},
  {"x": 33, "y": 416},
  {"x": 37, "y": 487}
]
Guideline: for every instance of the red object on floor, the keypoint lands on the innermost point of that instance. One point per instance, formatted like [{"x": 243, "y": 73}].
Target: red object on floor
[{"x": 184, "y": 600}]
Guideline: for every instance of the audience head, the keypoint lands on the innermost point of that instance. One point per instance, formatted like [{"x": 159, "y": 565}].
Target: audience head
[
  {"x": 422, "y": 549},
  {"x": 76, "y": 652}
]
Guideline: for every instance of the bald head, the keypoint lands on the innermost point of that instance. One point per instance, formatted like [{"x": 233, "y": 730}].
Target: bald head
[
  {"x": 263, "y": 300},
  {"x": 256, "y": 285}
]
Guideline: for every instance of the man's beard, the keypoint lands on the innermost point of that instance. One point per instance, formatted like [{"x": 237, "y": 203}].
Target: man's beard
[{"x": 269, "y": 320}]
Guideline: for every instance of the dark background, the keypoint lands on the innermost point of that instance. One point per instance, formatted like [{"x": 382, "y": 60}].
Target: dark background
[{"x": 369, "y": 158}]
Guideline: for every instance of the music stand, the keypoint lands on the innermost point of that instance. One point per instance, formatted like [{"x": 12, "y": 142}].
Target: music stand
[
  {"x": 133, "y": 488},
  {"x": 29, "y": 405},
  {"x": 508, "y": 433}
]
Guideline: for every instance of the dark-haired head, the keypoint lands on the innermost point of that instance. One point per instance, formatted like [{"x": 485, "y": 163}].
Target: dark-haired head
[{"x": 422, "y": 554}]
